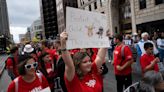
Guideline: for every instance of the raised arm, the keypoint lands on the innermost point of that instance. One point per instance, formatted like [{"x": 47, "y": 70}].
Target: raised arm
[
  {"x": 100, "y": 58},
  {"x": 69, "y": 66}
]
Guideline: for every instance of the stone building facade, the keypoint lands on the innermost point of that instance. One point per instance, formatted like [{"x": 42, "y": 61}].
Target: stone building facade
[
  {"x": 129, "y": 16},
  {"x": 150, "y": 18}
]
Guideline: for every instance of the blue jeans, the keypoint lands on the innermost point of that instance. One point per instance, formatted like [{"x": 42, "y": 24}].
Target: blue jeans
[
  {"x": 110, "y": 54},
  {"x": 161, "y": 54}
]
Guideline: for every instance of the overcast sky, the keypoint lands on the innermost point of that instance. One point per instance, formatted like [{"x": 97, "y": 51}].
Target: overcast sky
[{"x": 21, "y": 15}]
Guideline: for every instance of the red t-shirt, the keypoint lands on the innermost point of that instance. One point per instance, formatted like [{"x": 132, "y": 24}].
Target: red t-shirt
[
  {"x": 91, "y": 82},
  {"x": 10, "y": 65},
  {"x": 95, "y": 50},
  {"x": 145, "y": 60},
  {"x": 118, "y": 59},
  {"x": 23, "y": 86},
  {"x": 52, "y": 52},
  {"x": 93, "y": 57}
]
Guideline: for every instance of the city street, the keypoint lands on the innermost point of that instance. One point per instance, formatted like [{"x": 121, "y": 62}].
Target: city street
[
  {"x": 2, "y": 62},
  {"x": 46, "y": 29},
  {"x": 110, "y": 82},
  {"x": 4, "y": 78},
  {"x": 4, "y": 81}
]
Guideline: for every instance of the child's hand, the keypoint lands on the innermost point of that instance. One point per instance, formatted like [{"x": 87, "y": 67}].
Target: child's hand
[{"x": 157, "y": 60}]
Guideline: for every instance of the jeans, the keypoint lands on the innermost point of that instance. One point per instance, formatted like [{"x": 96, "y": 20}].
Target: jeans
[
  {"x": 110, "y": 54},
  {"x": 161, "y": 54}
]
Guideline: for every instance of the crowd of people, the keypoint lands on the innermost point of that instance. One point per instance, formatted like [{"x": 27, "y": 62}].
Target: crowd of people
[{"x": 34, "y": 67}]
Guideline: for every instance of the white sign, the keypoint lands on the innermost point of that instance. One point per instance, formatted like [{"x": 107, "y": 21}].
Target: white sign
[
  {"x": 86, "y": 29},
  {"x": 46, "y": 90}
]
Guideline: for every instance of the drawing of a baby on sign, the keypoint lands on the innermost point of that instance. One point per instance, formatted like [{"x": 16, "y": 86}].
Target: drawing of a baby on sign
[{"x": 90, "y": 30}]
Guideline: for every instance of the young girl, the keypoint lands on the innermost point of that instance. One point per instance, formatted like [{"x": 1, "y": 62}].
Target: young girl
[
  {"x": 28, "y": 81},
  {"x": 81, "y": 75}
]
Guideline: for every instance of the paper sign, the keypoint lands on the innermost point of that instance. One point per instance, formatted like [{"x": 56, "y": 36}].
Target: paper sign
[
  {"x": 46, "y": 90},
  {"x": 86, "y": 29}
]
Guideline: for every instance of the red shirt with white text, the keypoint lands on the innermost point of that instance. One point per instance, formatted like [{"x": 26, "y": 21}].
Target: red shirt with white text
[{"x": 91, "y": 82}]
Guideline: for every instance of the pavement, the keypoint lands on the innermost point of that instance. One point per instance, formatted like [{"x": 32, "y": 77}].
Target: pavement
[
  {"x": 5, "y": 80},
  {"x": 3, "y": 58},
  {"x": 110, "y": 81}
]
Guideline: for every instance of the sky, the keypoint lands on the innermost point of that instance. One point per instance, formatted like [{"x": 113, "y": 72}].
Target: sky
[{"x": 21, "y": 14}]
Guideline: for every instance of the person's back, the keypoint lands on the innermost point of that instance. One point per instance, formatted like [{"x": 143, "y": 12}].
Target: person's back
[
  {"x": 59, "y": 78},
  {"x": 11, "y": 63}
]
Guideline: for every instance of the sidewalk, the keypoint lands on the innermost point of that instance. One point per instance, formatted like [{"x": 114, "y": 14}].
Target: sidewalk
[
  {"x": 2, "y": 63},
  {"x": 110, "y": 81}
]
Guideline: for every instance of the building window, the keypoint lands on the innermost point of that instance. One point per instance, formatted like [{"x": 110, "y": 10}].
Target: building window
[
  {"x": 142, "y": 4},
  {"x": 81, "y": 2},
  {"x": 95, "y": 5},
  {"x": 90, "y": 8},
  {"x": 101, "y": 3},
  {"x": 159, "y": 2},
  {"x": 102, "y": 12}
]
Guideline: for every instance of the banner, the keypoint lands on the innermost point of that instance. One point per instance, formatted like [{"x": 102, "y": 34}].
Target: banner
[{"x": 86, "y": 29}]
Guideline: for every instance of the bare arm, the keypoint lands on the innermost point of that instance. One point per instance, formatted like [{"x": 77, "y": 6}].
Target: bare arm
[
  {"x": 100, "y": 58},
  {"x": 127, "y": 64},
  {"x": 69, "y": 66},
  {"x": 151, "y": 65}
]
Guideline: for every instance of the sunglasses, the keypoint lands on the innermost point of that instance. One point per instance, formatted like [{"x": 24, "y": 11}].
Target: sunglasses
[{"x": 29, "y": 66}]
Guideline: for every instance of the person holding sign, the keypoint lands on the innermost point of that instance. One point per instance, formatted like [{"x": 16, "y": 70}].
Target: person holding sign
[{"x": 81, "y": 75}]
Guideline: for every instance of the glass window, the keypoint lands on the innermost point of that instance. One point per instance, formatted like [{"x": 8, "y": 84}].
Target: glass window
[
  {"x": 101, "y": 3},
  {"x": 90, "y": 8},
  {"x": 95, "y": 5},
  {"x": 81, "y": 2},
  {"x": 142, "y": 4},
  {"x": 159, "y": 2}
]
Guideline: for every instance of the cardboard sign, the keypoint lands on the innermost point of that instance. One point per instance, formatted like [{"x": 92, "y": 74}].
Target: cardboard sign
[
  {"x": 86, "y": 29},
  {"x": 46, "y": 90}
]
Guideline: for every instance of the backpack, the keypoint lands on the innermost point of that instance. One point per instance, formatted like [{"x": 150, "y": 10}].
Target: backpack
[
  {"x": 12, "y": 59},
  {"x": 17, "y": 79},
  {"x": 133, "y": 50}
]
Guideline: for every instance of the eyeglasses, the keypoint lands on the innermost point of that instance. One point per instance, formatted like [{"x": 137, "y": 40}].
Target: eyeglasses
[{"x": 29, "y": 66}]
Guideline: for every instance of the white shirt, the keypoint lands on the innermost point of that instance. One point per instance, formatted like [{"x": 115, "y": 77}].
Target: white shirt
[
  {"x": 160, "y": 43},
  {"x": 141, "y": 45}
]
